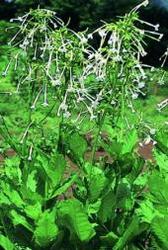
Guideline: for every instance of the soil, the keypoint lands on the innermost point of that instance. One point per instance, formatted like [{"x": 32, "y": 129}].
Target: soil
[
  {"x": 145, "y": 151},
  {"x": 9, "y": 153}
]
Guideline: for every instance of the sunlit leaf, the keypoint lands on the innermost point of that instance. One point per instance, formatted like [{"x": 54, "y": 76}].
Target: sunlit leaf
[
  {"x": 6, "y": 243},
  {"x": 72, "y": 215},
  {"x": 46, "y": 229}
]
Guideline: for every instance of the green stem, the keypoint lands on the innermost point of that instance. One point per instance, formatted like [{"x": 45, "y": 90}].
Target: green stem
[
  {"x": 100, "y": 125},
  {"x": 122, "y": 107},
  {"x": 47, "y": 115},
  {"x": 6, "y": 135}
]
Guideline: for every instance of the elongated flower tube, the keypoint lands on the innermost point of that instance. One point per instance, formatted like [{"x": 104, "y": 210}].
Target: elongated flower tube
[
  {"x": 117, "y": 61},
  {"x": 54, "y": 58}
]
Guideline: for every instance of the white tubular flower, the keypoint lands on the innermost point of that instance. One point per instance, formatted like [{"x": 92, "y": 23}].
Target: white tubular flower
[
  {"x": 141, "y": 85},
  {"x": 134, "y": 96},
  {"x": 56, "y": 82},
  {"x": 7, "y": 68},
  {"x": 156, "y": 27},
  {"x": 45, "y": 104},
  {"x": 147, "y": 140},
  {"x": 90, "y": 36},
  {"x": 67, "y": 114},
  {"x": 102, "y": 33},
  {"x": 162, "y": 105},
  {"x": 111, "y": 40},
  {"x": 95, "y": 104},
  {"x": 144, "y": 3},
  {"x": 63, "y": 106},
  {"x": 93, "y": 117},
  {"x": 152, "y": 131},
  {"x": 30, "y": 153},
  {"x": 84, "y": 40}
]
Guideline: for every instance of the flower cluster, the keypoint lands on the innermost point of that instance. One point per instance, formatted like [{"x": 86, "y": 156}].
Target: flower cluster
[
  {"x": 162, "y": 104},
  {"x": 118, "y": 56},
  {"x": 55, "y": 58},
  {"x": 60, "y": 61}
]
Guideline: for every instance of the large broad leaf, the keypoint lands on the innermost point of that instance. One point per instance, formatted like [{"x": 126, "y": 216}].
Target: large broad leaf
[
  {"x": 5, "y": 243},
  {"x": 146, "y": 211},
  {"x": 54, "y": 168},
  {"x": 33, "y": 211},
  {"x": 93, "y": 208},
  {"x": 107, "y": 208},
  {"x": 110, "y": 238},
  {"x": 130, "y": 141},
  {"x": 158, "y": 187},
  {"x": 31, "y": 181},
  {"x": 125, "y": 199},
  {"x": 162, "y": 140},
  {"x": 12, "y": 194},
  {"x": 64, "y": 187},
  {"x": 18, "y": 219},
  {"x": 77, "y": 145},
  {"x": 96, "y": 181},
  {"x": 30, "y": 196},
  {"x": 160, "y": 229},
  {"x": 109, "y": 130},
  {"x": 162, "y": 161},
  {"x": 114, "y": 149},
  {"x": 4, "y": 199},
  {"x": 46, "y": 229},
  {"x": 122, "y": 146},
  {"x": 132, "y": 230},
  {"x": 72, "y": 215},
  {"x": 12, "y": 170},
  {"x": 59, "y": 164}
]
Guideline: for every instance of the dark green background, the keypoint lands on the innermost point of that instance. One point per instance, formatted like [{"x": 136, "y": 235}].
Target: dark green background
[{"x": 89, "y": 13}]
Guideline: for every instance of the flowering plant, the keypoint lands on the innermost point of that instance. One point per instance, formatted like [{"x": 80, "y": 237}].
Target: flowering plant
[{"x": 64, "y": 186}]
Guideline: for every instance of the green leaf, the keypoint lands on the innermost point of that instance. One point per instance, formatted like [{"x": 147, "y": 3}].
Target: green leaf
[
  {"x": 131, "y": 231},
  {"x": 19, "y": 219},
  {"x": 4, "y": 199},
  {"x": 109, "y": 238},
  {"x": 162, "y": 140},
  {"x": 146, "y": 211},
  {"x": 96, "y": 181},
  {"x": 115, "y": 148},
  {"x": 141, "y": 180},
  {"x": 31, "y": 181},
  {"x": 12, "y": 169},
  {"x": 30, "y": 196},
  {"x": 53, "y": 168},
  {"x": 93, "y": 208},
  {"x": 6, "y": 243},
  {"x": 129, "y": 142},
  {"x": 46, "y": 229},
  {"x": 77, "y": 145},
  {"x": 162, "y": 161},
  {"x": 158, "y": 187},
  {"x": 14, "y": 162},
  {"x": 65, "y": 186},
  {"x": 72, "y": 215},
  {"x": 12, "y": 194},
  {"x": 125, "y": 199},
  {"x": 109, "y": 129},
  {"x": 107, "y": 208},
  {"x": 160, "y": 229},
  {"x": 59, "y": 164},
  {"x": 33, "y": 211}
]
